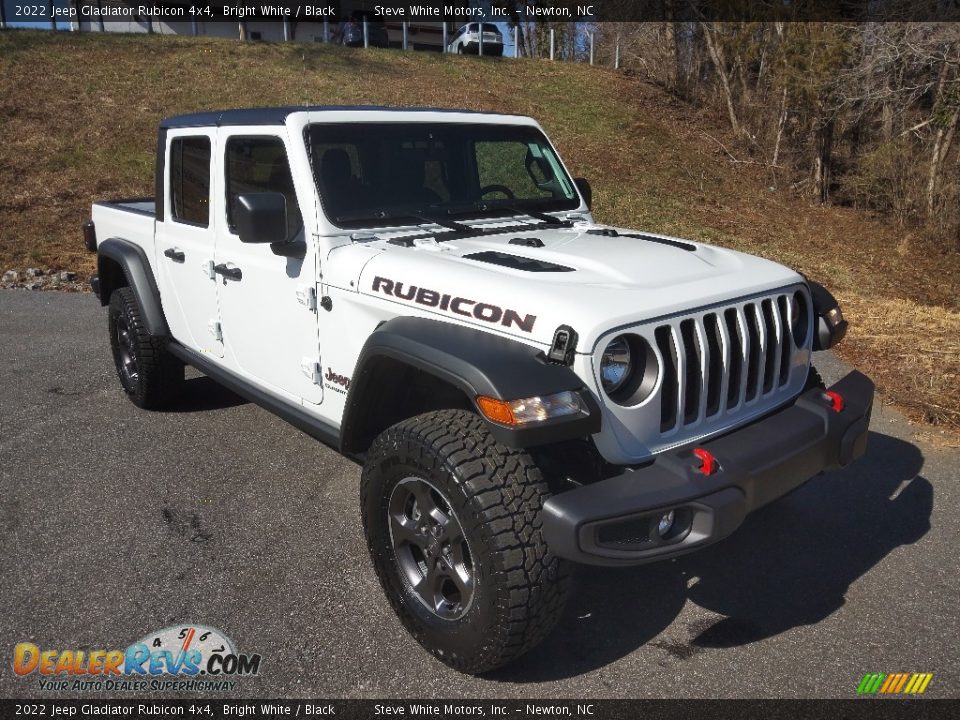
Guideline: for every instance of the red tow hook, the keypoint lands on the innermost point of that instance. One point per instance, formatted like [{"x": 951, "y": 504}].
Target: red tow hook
[
  {"x": 835, "y": 400},
  {"x": 708, "y": 463}
]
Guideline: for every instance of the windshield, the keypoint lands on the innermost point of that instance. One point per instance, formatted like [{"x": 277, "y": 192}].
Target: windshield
[{"x": 391, "y": 174}]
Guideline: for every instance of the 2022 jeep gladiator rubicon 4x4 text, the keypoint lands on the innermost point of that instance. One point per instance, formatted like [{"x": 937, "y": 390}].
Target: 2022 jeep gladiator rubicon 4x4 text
[{"x": 426, "y": 291}]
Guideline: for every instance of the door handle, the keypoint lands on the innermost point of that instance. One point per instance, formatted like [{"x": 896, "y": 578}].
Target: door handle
[
  {"x": 234, "y": 273},
  {"x": 175, "y": 254}
]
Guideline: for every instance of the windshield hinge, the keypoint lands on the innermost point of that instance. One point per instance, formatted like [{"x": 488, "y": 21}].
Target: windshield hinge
[
  {"x": 564, "y": 345},
  {"x": 363, "y": 237}
]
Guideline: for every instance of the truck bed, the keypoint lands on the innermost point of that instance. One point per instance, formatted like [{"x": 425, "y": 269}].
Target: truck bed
[
  {"x": 132, "y": 219},
  {"x": 143, "y": 206}
]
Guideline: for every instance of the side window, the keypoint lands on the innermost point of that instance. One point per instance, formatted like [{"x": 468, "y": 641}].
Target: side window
[
  {"x": 259, "y": 164},
  {"x": 190, "y": 180}
]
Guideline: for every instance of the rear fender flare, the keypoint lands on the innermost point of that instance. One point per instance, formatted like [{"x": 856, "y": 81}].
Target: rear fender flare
[{"x": 133, "y": 261}]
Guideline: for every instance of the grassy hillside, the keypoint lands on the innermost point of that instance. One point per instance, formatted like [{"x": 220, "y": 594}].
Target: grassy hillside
[{"x": 78, "y": 115}]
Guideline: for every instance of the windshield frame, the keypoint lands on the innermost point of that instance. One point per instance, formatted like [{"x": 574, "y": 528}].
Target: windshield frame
[{"x": 493, "y": 210}]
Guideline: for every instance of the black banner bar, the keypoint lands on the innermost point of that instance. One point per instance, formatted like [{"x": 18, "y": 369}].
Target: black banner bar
[
  {"x": 865, "y": 709},
  {"x": 461, "y": 11}
]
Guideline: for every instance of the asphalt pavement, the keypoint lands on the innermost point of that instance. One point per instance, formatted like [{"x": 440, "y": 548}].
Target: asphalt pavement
[{"x": 115, "y": 522}]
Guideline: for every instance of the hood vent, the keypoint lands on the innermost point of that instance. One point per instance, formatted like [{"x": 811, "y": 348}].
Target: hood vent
[
  {"x": 515, "y": 262},
  {"x": 527, "y": 241}
]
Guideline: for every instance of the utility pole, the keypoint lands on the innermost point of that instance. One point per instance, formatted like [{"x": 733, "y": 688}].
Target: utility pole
[{"x": 552, "y": 35}]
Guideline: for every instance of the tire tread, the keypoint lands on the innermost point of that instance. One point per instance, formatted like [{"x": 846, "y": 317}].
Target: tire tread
[{"x": 506, "y": 491}]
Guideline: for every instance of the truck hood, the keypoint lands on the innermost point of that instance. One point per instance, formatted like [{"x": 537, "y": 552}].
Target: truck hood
[{"x": 566, "y": 276}]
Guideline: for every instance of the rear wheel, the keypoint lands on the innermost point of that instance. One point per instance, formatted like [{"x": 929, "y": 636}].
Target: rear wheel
[
  {"x": 452, "y": 520},
  {"x": 150, "y": 376}
]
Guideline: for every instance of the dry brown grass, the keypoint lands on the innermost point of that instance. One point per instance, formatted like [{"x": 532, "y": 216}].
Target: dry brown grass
[
  {"x": 913, "y": 351},
  {"x": 78, "y": 115}
]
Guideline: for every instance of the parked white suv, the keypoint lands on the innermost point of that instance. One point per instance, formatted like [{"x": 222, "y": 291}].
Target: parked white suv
[
  {"x": 426, "y": 291},
  {"x": 468, "y": 39}
]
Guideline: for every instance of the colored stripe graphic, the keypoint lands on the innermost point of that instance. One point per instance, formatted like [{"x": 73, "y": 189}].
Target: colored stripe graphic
[
  {"x": 870, "y": 683},
  {"x": 894, "y": 683}
]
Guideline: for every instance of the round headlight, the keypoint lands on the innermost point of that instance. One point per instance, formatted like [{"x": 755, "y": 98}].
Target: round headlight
[{"x": 615, "y": 364}]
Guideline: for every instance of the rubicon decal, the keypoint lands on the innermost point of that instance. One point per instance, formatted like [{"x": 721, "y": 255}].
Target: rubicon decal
[
  {"x": 487, "y": 312},
  {"x": 179, "y": 653}
]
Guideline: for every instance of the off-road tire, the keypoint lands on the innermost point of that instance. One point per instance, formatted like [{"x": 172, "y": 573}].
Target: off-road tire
[
  {"x": 158, "y": 378},
  {"x": 497, "y": 494}
]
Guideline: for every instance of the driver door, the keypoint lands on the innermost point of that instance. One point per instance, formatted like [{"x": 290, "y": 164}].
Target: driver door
[{"x": 269, "y": 328}]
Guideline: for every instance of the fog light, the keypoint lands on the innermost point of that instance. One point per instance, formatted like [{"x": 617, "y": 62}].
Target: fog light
[{"x": 665, "y": 524}]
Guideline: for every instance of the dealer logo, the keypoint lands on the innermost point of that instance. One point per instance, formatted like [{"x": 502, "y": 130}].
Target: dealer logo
[{"x": 184, "y": 653}]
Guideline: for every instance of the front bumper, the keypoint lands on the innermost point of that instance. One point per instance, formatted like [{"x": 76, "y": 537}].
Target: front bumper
[{"x": 614, "y": 521}]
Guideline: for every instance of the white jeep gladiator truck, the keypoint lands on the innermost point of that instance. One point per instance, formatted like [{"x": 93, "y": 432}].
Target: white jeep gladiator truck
[{"x": 426, "y": 292}]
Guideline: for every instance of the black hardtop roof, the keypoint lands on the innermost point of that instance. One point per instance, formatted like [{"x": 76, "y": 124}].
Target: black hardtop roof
[{"x": 278, "y": 115}]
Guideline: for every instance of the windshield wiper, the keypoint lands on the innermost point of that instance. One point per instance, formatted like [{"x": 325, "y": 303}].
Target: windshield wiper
[
  {"x": 549, "y": 219},
  {"x": 442, "y": 222},
  {"x": 482, "y": 207},
  {"x": 421, "y": 215}
]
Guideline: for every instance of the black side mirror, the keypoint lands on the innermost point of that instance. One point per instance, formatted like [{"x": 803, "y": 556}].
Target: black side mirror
[
  {"x": 261, "y": 217},
  {"x": 583, "y": 185}
]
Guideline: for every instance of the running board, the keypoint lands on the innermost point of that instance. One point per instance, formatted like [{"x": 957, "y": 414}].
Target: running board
[{"x": 286, "y": 410}]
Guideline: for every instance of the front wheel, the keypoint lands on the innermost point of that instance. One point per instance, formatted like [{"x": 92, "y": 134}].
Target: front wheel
[{"x": 453, "y": 525}]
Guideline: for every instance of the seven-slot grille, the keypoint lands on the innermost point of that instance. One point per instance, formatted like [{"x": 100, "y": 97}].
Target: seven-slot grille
[{"x": 720, "y": 360}]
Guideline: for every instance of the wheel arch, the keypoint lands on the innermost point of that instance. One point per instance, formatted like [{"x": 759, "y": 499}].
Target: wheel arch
[
  {"x": 121, "y": 263},
  {"x": 447, "y": 366}
]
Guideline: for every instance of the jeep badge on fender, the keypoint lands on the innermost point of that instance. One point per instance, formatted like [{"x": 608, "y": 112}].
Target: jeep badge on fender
[{"x": 526, "y": 389}]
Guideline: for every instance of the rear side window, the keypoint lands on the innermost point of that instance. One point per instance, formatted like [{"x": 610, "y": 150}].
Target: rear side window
[
  {"x": 190, "y": 180},
  {"x": 259, "y": 164}
]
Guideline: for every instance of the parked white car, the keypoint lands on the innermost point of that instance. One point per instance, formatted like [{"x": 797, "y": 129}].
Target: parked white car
[
  {"x": 468, "y": 38},
  {"x": 427, "y": 292}
]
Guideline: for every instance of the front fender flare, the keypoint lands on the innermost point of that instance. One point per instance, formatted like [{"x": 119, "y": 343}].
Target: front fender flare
[{"x": 477, "y": 363}]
